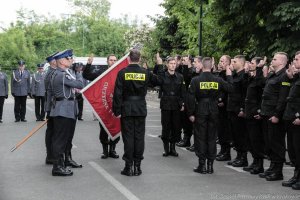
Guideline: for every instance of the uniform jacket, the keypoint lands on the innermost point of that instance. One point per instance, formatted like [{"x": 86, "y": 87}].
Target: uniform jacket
[
  {"x": 3, "y": 84},
  {"x": 48, "y": 94},
  {"x": 203, "y": 93},
  {"x": 20, "y": 85},
  {"x": 63, "y": 94},
  {"x": 274, "y": 94},
  {"x": 38, "y": 84},
  {"x": 90, "y": 73},
  {"x": 292, "y": 110}
]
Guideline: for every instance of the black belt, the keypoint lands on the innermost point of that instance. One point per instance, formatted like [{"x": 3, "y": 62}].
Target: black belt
[
  {"x": 62, "y": 98},
  {"x": 134, "y": 98},
  {"x": 205, "y": 100}
]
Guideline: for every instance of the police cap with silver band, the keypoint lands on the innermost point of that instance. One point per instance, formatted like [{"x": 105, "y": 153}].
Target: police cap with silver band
[
  {"x": 64, "y": 54},
  {"x": 40, "y": 65},
  {"x": 51, "y": 57},
  {"x": 21, "y": 62}
]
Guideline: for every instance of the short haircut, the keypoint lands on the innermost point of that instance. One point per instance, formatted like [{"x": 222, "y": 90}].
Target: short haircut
[
  {"x": 283, "y": 54},
  {"x": 297, "y": 53},
  {"x": 257, "y": 59},
  {"x": 178, "y": 57},
  {"x": 169, "y": 59},
  {"x": 228, "y": 58},
  {"x": 241, "y": 57},
  {"x": 135, "y": 55},
  {"x": 199, "y": 58},
  {"x": 207, "y": 62},
  {"x": 110, "y": 56}
]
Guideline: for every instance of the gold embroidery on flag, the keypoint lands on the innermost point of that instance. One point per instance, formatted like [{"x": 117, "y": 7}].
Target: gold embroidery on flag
[
  {"x": 135, "y": 77},
  {"x": 209, "y": 86}
]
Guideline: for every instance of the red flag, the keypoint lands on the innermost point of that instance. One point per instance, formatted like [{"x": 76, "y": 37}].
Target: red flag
[{"x": 99, "y": 94}]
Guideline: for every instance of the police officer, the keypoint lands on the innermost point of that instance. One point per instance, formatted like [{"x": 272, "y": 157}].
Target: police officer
[
  {"x": 171, "y": 103},
  {"x": 129, "y": 103},
  {"x": 48, "y": 97},
  {"x": 203, "y": 112},
  {"x": 3, "y": 91},
  {"x": 20, "y": 88},
  {"x": 292, "y": 118},
  {"x": 38, "y": 92},
  {"x": 253, "y": 119},
  {"x": 273, "y": 104},
  {"x": 224, "y": 134},
  {"x": 236, "y": 109},
  {"x": 64, "y": 112},
  {"x": 90, "y": 74}
]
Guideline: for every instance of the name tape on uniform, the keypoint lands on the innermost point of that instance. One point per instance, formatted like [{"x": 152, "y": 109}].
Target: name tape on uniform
[
  {"x": 135, "y": 77},
  {"x": 209, "y": 86},
  {"x": 286, "y": 84}
]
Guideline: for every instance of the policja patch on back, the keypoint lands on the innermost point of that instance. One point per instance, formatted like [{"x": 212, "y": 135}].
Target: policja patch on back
[
  {"x": 135, "y": 77},
  {"x": 209, "y": 86}
]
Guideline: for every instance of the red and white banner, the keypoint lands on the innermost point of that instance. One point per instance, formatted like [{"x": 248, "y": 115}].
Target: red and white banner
[{"x": 99, "y": 94}]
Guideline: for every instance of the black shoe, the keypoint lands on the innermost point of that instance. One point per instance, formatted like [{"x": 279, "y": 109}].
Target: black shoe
[
  {"x": 137, "y": 168},
  {"x": 105, "y": 151},
  {"x": 60, "y": 170},
  {"x": 172, "y": 150},
  {"x": 70, "y": 162},
  {"x": 251, "y": 166},
  {"x": 80, "y": 119},
  {"x": 42, "y": 119},
  {"x": 210, "y": 168},
  {"x": 191, "y": 148},
  {"x": 167, "y": 149},
  {"x": 276, "y": 176},
  {"x": 201, "y": 168},
  {"x": 224, "y": 157},
  {"x": 242, "y": 162},
  {"x": 268, "y": 171},
  {"x": 127, "y": 171},
  {"x": 296, "y": 186},
  {"x": 37, "y": 120},
  {"x": 258, "y": 168},
  {"x": 185, "y": 142},
  {"x": 112, "y": 152},
  {"x": 292, "y": 180},
  {"x": 238, "y": 156},
  {"x": 23, "y": 120},
  {"x": 17, "y": 120},
  {"x": 1, "y": 121}
]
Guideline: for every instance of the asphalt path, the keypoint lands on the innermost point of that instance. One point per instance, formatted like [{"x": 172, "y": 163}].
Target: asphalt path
[{"x": 24, "y": 175}]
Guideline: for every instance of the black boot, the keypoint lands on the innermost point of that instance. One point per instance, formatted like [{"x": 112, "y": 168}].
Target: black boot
[
  {"x": 127, "y": 171},
  {"x": 242, "y": 162},
  {"x": 225, "y": 156},
  {"x": 221, "y": 152},
  {"x": 137, "y": 168},
  {"x": 105, "y": 151},
  {"x": 268, "y": 171},
  {"x": 259, "y": 168},
  {"x": 292, "y": 180},
  {"x": 201, "y": 168},
  {"x": 166, "y": 148},
  {"x": 59, "y": 168},
  {"x": 251, "y": 166},
  {"x": 70, "y": 162},
  {"x": 277, "y": 173},
  {"x": 210, "y": 168},
  {"x": 191, "y": 148},
  {"x": 296, "y": 186},
  {"x": 185, "y": 142},
  {"x": 238, "y": 156},
  {"x": 172, "y": 150},
  {"x": 112, "y": 151}
]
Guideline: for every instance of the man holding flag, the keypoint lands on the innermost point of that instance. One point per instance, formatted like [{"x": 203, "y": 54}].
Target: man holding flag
[{"x": 90, "y": 74}]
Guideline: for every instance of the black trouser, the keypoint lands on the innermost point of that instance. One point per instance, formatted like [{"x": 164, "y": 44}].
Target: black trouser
[
  {"x": 293, "y": 142},
  {"x": 274, "y": 135},
  {"x": 171, "y": 126},
  {"x": 133, "y": 135},
  {"x": 80, "y": 106},
  {"x": 39, "y": 102},
  {"x": 186, "y": 124},
  {"x": 62, "y": 132},
  {"x": 49, "y": 135},
  {"x": 71, "y": 136},
  {"x": 224, "y": 134},
  {"x": 239, "y": 132},
  {"x": 256, "y": 138},
  {"x": 104, "y": 139},
  {"x": 1, "y": 106},
  {"x": 205, "y": 135},
  {"x": 20, "y": 107}
]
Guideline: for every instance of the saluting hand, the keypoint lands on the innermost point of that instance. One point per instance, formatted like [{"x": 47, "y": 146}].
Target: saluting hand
[
  {"x": 158, "y": 59},
  {"x": 262, "y": 62}
]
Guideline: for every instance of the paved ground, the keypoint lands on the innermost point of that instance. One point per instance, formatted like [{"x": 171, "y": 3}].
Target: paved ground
[{"x": 24, "y": 176}]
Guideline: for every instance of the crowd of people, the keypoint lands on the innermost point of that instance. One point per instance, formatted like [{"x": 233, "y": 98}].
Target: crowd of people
[{"x": 249, "y": 106}]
